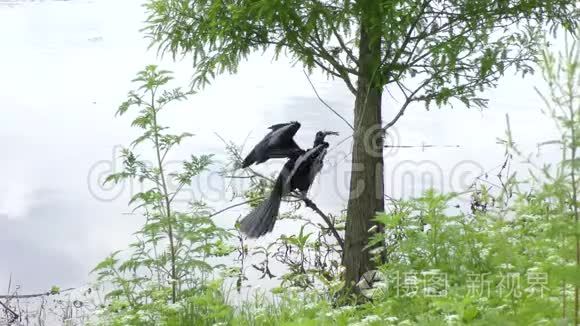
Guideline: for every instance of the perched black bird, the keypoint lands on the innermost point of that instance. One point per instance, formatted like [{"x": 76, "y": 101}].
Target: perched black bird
[
  {"x": 298, "y": 173},
  {"x": 278, "y": 143}
]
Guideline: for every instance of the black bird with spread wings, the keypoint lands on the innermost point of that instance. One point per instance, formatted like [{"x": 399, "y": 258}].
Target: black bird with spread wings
[
  {"x": 298, "y": 173},
  {"x": 278, "y": 143}
]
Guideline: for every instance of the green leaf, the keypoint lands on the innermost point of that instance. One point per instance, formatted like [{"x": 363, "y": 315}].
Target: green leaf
[{"x": 54, "y": 290}]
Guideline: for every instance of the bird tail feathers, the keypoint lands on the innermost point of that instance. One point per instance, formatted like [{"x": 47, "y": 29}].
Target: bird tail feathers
[{"x": 262, "y": 219}]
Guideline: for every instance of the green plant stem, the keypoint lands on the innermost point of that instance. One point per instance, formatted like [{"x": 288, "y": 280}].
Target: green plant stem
[
  {"x": 564, "y": 299},
  {"x": 574, "y": 199},
  {"x": 167, "y": 202}
]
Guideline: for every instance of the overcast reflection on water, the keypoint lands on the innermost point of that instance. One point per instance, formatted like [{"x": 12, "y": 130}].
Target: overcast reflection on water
[{"x": 66, "y": 65}]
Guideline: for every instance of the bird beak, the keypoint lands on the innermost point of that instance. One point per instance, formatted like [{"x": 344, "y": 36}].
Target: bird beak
[{"x": 330, "y": 133}]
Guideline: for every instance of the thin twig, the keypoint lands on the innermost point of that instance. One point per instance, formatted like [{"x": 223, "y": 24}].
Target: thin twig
[
  {"x": 235, "y": 205},
  {"x": 15, "y": 316},
  {"x": 421, "y": 146},
  {"x": 240, "y": 159},
  {"x": 25, "y": 296},
  {"x": 324, "y": 102},
  {"x": 408, "y": 101}
]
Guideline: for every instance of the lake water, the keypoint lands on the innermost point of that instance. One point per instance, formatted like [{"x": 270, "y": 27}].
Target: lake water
[{"x": 65, "y": 66}]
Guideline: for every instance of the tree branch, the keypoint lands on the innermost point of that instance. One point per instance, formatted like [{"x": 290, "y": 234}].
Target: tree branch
[
  {"x": 343, "y": 46},
  {"x": 343, "y": 72},
  {"x": 27, "y": 296},
  {"x": 310, "y": 204},
  {"x": 326, "y": 104},
  {"x": 344, "y": 77},
  {"x": 408, "y": 100},
  {"x": 407, "y": 38}
]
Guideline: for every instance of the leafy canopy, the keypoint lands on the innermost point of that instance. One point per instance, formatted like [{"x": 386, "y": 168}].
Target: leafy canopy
[{"x": 431, "y": 50}]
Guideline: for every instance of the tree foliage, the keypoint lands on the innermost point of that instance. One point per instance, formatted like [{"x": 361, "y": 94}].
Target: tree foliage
[{"x": 433, "y": 51}]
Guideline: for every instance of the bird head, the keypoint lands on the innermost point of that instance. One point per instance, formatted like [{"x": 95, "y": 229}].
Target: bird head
[{"x": 321, "y": 135}]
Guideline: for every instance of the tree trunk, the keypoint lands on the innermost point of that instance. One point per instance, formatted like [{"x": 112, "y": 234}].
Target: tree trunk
[{"x": 366, "y": 181}]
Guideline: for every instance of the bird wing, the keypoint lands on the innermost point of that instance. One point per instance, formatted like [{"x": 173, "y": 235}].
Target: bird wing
[
  {"x": 278, "y": 143},
  {"x": 279, "y": 125},
  {"x": 283, "y": 133},
  {"x": 285, "y": 152}
]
